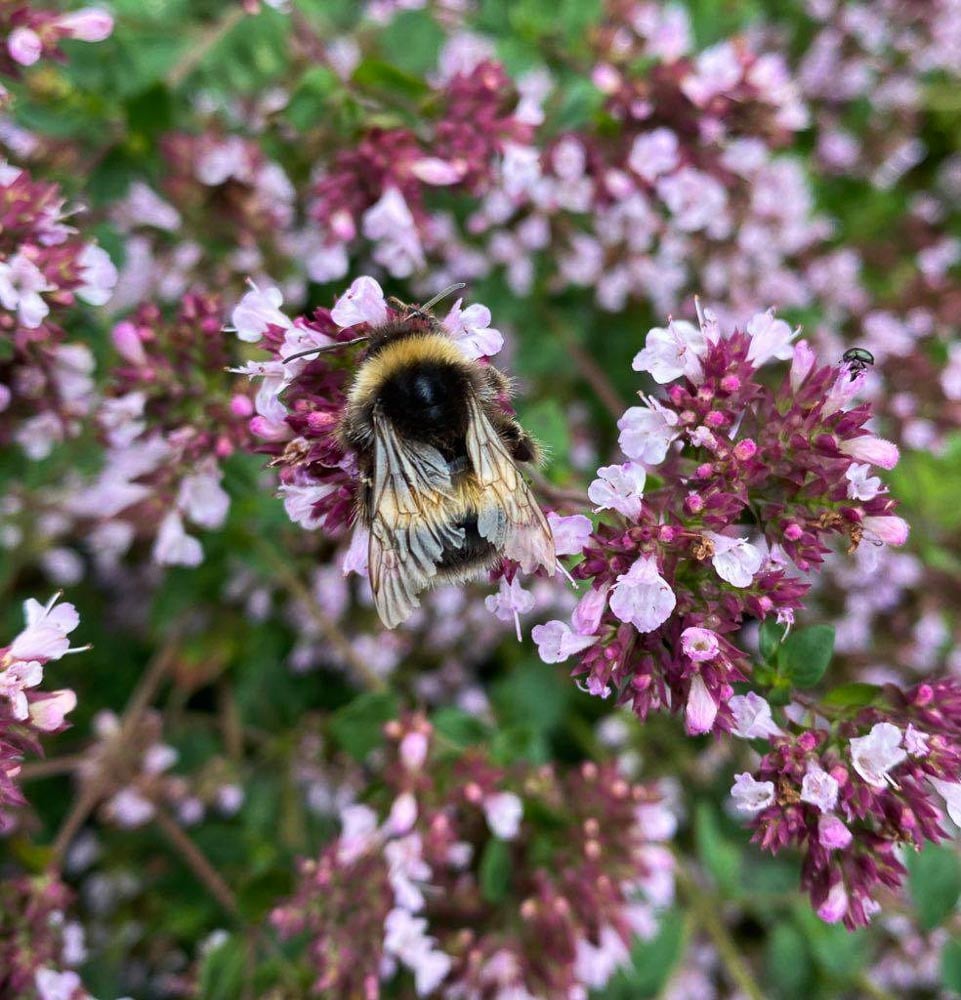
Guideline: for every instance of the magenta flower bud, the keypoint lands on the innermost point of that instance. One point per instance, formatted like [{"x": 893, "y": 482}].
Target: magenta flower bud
[
  {"x": 24, "y": 46},
  {"x": 715, "y": 419},
  {"x": 793, "y": 532},
  {"x": 694, "y": 503},
  {"x": 704, "y": 471},
  {"x": 890, "y": 529},
  {"x": 832, "y": 833},
  {"x": 801, "y": 364},
  {"x": 89, "y": 25},
  {"x": 835, "y": 906},
  {"x": 700, "y": 644},
  {"x": 924, "y": 695},
  {"x": 730, "y": 383},
  {"x": 241, "y": 406},
  {"x": 874, "y": 450},
  {"x": 807, "y": 741},
  {"x": 745, "y": 449},
  {"x": 126, "y": 338},
  {"x": 701, "y": 709}
]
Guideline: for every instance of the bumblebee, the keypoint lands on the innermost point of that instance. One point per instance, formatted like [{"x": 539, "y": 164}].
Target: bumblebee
[{"x": 442, "y": 494}]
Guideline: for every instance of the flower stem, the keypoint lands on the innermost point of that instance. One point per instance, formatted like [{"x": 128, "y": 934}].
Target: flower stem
[
  {"x": 92, "y": 793},
  {"x": 705, "y": 910}
]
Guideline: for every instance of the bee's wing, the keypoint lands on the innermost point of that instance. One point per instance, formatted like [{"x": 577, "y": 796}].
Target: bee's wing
[
  {"x": 508, "y": 517},
  {"x": 409, "y": 527}
]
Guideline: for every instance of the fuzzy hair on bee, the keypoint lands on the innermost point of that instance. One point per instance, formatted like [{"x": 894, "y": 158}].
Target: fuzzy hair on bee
[{"x": 442, "y": 494}]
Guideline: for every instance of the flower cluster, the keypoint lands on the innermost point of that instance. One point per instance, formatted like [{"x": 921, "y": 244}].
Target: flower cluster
[
  {"x": 751, "y": 482},
  {"x": 225, "y": 211},
  {"x": 482, "y": 881},
  {"x": 25, "y": 712},
  {"x": 45, "y": 265},
  {"x": 37, "y": 943},
  {"x": 299, "y": 402},
  {"x": 380, "y": 188},
  {"x": 167, "y": 421},
  {"x": 849, "y": 793},
  {"x": 32, "y": 33}
]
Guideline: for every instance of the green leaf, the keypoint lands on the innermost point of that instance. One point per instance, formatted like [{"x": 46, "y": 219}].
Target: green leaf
[
  {"x": 855, "y": 694},
  {"x": 378, "y": 75},
  {"x": 653, "y": 962},
  {"x": 532, "y": 695},
  {"x": 495, "y": 871},
  {"x": 787, "y": 961},
  {"x": 150, "y": 111},
  {"x": 770, "y": 635},
  {"x": 458, "y": 727},
  {"x": 935, "y": 881},
  {"x": 222, "y": 972},
  {"x": 951, "y": 966},
  {"x": 806, "y": 653},
  {"x": 310, "y": 98},
  {"x": 720, "y": 856},
  {"x": 357, "y": 727}
]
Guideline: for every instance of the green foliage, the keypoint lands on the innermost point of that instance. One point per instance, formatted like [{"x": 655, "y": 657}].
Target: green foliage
[{"x": 935, "y": 882}]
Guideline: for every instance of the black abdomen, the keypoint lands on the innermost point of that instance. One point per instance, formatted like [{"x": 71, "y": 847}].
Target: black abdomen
[{"x": 426, "y": 400}]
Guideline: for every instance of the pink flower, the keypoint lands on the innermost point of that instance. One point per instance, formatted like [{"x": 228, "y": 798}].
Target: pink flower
[
  {"x": 735, "y": 560},
  {"x": 556, "y": 641},
  {"x": 587, "y": 615},
  {"x": 701, "y": 709},
  {"x": 619, "y": 487},
  {"x": 752, "y": 717},
  {"x": 363, "y": 302},
  {"x": 53, "y": 985},
  {"x": 647, "y": 432},
  {"x": 717, "y": 70},
  {"x": 832, "y": 833},
  {"x": 173, "y": 546},
  {"x": 48, "y": 711},
  {"x": 91, "y": 24},
  {"x": 950, "y": 791},
  {"x": 874, "y": 450},
  {"x": 390, "y": 224},
  {"x": 129, "y": 809},
  {"x": 594, "y": 965},
  {"x": 470, "y": 329},
  {"x": 403, "y": 815},
  {"x": 21, "y": 283},
  {"x": 45, "y": 637},
  {"x": 432, "y": 170},
  {"x": 510, "y": 602},
  {"x": 257, "y": 311},
  {"x": 802, "y": 363},
  {"x": 24, "y": 46},
  {"x": 97, "y": 274},
  {"x": 770, "y": 338},
  {"x": 503, "y": 811},
  {"x": 916, "y": 742},
  {"x": 861, "y": 484},
  {"x": 818, "y": 788},
  {"x": 835, "y": 906},
  {"x": 14, "y": 681},
  {"x": 751, "y": 796},
  {"x": 654, "y": 153},
  {"x": 887, "y": 528},
  {"x": 413, "y": 750},
  {"x": 699, "y": 644},
  {"x": 358, "y": 832},
  {"x": 669, "y": 354},
  {"x": 642, "y": 597},
  {"x": 874, "y": 755},
  {"x": 202, "y": 498},
  {"x": 571, "y": 534}
]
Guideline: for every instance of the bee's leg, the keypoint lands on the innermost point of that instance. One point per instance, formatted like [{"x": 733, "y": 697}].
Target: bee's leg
[{"x": 520, "y": 444}]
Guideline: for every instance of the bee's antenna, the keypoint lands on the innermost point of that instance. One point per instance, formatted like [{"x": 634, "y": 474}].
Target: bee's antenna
[
  {"x": 322, "y": 350},
  {"x": 441, "y": 295}
]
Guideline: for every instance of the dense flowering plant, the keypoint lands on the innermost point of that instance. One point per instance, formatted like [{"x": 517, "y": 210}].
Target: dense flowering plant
[{"x": 718, "y": 751}]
